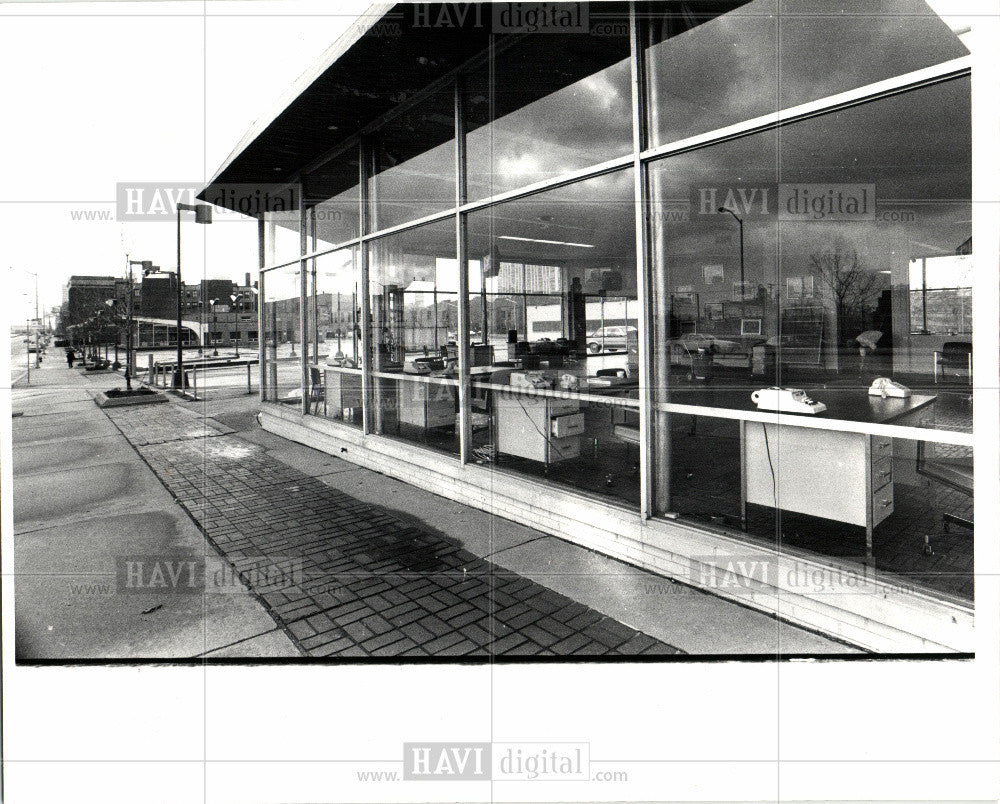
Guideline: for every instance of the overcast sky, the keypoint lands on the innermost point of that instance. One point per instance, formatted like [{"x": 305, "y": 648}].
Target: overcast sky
[{"x": 99, "y": 93}]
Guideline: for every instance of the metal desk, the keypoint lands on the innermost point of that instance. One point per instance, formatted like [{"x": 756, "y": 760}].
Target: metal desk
[{"x": 829, "y": 473}]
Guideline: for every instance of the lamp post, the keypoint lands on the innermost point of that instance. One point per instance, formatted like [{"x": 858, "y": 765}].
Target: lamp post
[
  {"x": 202, "y": 214},
  {"x": 743, "y": 291},
  {"x": 113, "y": 306},
  {"x": 215, "y": 323},
  {"x": 147, "y": 268},
  {"x": 236, "y": 297},
  {"x": 27, "y": 333}
]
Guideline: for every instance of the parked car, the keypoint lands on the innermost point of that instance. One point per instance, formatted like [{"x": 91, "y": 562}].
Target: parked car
[{"x": 605, "y": 338}]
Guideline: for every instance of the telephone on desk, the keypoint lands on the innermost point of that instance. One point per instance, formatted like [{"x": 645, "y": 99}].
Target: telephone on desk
[
  {"x": 530, "y": 379},
  {"x": 884, "y": 387},
  {"x": 786, "y": 400}
]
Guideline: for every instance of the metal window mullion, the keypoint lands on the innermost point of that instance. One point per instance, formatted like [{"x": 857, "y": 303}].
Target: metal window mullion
[
  {"x": 366, "y": 312},
  {"x": 261, "y": 257},
  {"x": 461, "y": 252},
  {"x": 315, "y": 282},
  {"x": 640, "y": 200},
  {"x": 303, "y": 301}
]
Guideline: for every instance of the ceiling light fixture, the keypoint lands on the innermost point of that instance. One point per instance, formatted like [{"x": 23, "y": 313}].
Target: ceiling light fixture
[{"x": 547, "y": 242}]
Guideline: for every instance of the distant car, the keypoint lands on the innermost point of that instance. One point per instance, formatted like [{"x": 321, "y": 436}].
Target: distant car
[{"x": 605, "y": 338}]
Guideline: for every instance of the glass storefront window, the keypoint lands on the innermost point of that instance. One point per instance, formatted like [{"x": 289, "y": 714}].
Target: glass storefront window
[
  {"x": 334, "y": 336},
  {"x": 555, "y": 393},
  {"x": 332, "y": 194},
  {"x": 813, "y": 256},
  {"x": 768, "y": 55},
  {"x": 548, "y": 104},
  {"x": 414, "y": 163},
  {"x": 281, "y": 237},
  {"x": 821, "y": 258},
  {"x": 413, "y": 288},
  {"x": 282, "y": 334}
]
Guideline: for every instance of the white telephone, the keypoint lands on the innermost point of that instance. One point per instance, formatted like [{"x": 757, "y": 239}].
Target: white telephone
[
  {"x": 885, "y": 387},
  {"x": 786, "y": 400}
]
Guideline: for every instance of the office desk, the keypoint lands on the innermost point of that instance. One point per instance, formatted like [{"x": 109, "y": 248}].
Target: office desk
[
  {"x": 540, "y": 428},
  {"x": 843, "y": 476},
  {"x": 424, "y": 404},
  {"x": 846, "y": 477},
  {"x": 343, "y": 388}
]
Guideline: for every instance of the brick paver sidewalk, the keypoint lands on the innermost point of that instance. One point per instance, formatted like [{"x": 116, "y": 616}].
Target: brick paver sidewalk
[{"x": 373, "y": 584}]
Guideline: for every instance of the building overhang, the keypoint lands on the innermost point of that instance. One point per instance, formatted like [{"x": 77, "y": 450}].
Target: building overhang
[
  {"x": 387, "y": 56},
  {"x": 393, "y": 56}
]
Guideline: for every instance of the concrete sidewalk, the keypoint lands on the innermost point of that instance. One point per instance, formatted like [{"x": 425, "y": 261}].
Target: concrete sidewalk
[
  {"x": 671, "y": 613},
  {"x": 387, "y": 570},
  {"x": 83, "y": 498}
]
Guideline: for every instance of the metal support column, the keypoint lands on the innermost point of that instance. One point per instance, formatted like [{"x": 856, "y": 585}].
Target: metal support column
[
  {"x": 261, "y": 331},
  {"x": 303, "y": 301},
  {"x": 367, "y": 381},
  {"x": 643, "y": 288},
  {"x": 461, "y": 251}
]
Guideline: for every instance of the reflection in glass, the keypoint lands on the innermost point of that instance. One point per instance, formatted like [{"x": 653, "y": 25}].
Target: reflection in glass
[
  {"x": 282, "y": 331},
  {"x": 281, "y": 237},
  {"x": 768, "y": 55},
  {"x": 555, "y": 390},
  {"x": 571, "y": 109},
  {"x": 332, "y": 195},
  {"x": 414, "y": 164},
  {"x": 333, "y": 336},
  {"x": 413, "y": 288},
  {"x": 815, "y": 257}
]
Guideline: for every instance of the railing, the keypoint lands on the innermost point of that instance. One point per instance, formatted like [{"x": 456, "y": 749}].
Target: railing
[{"x": 161, "y": 375}]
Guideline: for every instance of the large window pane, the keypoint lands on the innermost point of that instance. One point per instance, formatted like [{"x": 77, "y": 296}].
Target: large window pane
[
  {"x": 281, "y": 237},
  {"x": 707, "y": 71},
  {"x": 282, "y": 332},
  {"x": 413, "y": 287},
  {"x": 821, "y": 258},
  {"x": 547, "y": 403},
  {"x": 334, "y": 336},
  {"x": 332, "y": 195},
  {"x": 550, "y": 103},
  {"x": 414, "y": 163}
]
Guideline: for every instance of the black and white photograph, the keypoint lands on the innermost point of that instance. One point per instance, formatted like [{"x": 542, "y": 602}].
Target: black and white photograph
[{"x": 425, "y": 401}]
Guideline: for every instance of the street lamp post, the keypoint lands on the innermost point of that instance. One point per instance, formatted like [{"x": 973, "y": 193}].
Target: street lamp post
[
  {"x": 236, "y": 297},
  {"x": 215, "y": 324},
  {"x": 147, "y": 268},
  {"x": 202, "y": 214},
  {"x": 743, "y": 291}
]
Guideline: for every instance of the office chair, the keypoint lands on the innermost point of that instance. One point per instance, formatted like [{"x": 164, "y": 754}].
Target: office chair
[
  {"x": 954, "y": 355},
  {"x": 952, "y": 475},
  {"x": 317, "y": 390}
]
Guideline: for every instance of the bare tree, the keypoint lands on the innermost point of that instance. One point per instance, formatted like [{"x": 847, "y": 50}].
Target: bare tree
[{"x": 853, "y": 288}]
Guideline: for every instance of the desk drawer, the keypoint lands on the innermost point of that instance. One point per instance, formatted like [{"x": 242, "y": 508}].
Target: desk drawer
[
  {"x": 881, "y": 472},
  {"x": 560, "y": 407},
  {"x": 569, "y": 424},
  {"x": 881, "y": 448},
  {"x": 562, "y": 448},
  {"x": 882, "y": 504}
]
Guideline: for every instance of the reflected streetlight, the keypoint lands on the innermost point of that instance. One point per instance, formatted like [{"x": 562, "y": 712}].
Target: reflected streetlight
[{"x": 743, "y": 290}]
